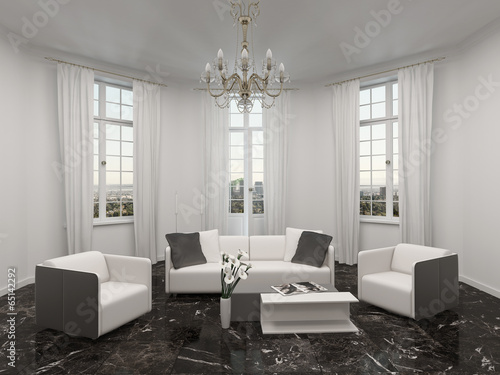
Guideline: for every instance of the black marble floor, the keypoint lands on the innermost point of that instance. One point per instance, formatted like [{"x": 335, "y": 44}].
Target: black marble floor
[{"x": 182, "y": 335}]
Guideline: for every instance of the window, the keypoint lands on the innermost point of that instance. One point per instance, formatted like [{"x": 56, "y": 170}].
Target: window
[
  {"x": 113, "y": 152},
  {"x": 246, "y": 144},
  {"x": 378, "y": 150}
]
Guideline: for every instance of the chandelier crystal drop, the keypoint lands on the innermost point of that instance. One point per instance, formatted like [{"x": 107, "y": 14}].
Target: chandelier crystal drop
[{"x": 244, "y": 84}]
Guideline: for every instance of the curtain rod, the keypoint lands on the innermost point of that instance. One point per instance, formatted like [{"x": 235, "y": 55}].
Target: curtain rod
[
  {"x": 386, "y": 71},
  {"x": 202, "y": 89},
  {"x": 104, "y": 71}
]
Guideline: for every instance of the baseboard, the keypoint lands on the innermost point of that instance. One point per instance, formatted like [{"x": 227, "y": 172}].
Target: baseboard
[
  {"x": 19, "y": 284},
  {"x": 480, "y": 286}
]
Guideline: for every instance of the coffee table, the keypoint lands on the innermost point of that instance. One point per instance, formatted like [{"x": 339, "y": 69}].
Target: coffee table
[
  {"x": 245, "y": 302},
  {"x": 306, "y": 313}
]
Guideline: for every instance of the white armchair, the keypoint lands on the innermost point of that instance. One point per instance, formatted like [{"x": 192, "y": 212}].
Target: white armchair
[
  {"x": 89, "y": 294},
  {"x": 410, "y": 280}
]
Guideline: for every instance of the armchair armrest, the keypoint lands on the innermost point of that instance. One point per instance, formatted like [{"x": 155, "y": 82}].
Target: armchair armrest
[
  {"x": 435, "y": 286},
  {"x": 373, "y": 261},
  {"x": 168, "y": 266},
  {"x": 127, "y": 269},
  {"x": 72, "y": 308}
]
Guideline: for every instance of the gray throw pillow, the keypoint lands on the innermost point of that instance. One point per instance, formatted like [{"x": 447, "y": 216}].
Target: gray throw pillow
[
  {"x": 185, "y": 249},
  {"x": 312, "y": 248}
]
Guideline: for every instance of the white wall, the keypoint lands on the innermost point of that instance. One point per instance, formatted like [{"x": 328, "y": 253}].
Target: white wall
[
  {"x": 31, "y": 214},
  {"x": 181, "y": 166},
  {"x": 466, "y": 164},
  {"x": 377, "y": 235},
  {"x": 310, "y": 180}
]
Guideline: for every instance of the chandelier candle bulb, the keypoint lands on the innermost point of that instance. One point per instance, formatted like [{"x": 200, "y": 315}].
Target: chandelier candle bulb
[
  {"x": 269, "y": 57},
  {"x": 282, "y": 68},
  {"x": 207, "y": 68},
  {"x": 220, "y": 57}
]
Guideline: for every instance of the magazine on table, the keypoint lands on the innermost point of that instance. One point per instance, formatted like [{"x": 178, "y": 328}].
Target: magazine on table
[{"x": 300, "y": 287}]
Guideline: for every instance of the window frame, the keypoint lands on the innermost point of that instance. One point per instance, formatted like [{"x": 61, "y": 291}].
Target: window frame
[
  {"x": 101, "y": 120},
  {"x": 248, "y": 158},
  {"x": 388, "y": 120}
]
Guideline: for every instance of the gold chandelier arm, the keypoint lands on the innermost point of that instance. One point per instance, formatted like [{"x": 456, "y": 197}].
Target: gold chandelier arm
[
  {"x": 255, "y": 78},
  {"x": 234, "y": 12},
  {"x": 255, "y": 5},
  {"x": 233, "y": 77},
  {"x": 212, "y": 94}
]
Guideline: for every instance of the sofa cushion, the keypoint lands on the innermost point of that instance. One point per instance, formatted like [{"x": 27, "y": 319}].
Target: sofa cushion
[
  {"x": 389, "y": 290},
  {"x": 292, "y": 240},
  {"x": 267, "y": 247},
  {"x": 405, "y": 255},
  {"x": 209, "y": 241},
  {"x": 312, "y": 248},
  {"x": 201, "y": 278},
  {"x": 89, "y": 261},
  {"x": 185, "y": 249}
]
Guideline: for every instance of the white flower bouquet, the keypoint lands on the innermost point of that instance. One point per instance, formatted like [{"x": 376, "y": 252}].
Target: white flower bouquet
[{"x": 232, "y": 271}]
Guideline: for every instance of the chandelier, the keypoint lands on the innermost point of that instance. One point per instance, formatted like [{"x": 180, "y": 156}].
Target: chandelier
[{"x": 244, "y": 84}]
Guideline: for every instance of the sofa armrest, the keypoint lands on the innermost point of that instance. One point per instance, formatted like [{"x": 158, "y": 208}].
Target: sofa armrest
[
  {"x": 435, "y": 286},
  {"x": 373, "y": 261},
  {"x": 168, "y": 266},
  {"x": 127, "y": 269},
  {"x": 330, "y": 262}
]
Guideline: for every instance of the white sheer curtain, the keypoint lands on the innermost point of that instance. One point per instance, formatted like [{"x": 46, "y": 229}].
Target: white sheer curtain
[
  {"x": 216, "y": 169},
  {"x": 276, "y": 121},
  {"x": 415, "y": 119},
  {"x": 146, "y": 154},
  {"x": 75, "y": 92},
  {"x": 346, "y": 171}
]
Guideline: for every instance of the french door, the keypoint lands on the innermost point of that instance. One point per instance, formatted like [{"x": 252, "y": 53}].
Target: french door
[{"x": 246, "y": 154}]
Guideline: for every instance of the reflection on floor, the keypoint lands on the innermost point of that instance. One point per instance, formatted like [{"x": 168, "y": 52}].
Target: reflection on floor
[{"x": 182, "y": 335}]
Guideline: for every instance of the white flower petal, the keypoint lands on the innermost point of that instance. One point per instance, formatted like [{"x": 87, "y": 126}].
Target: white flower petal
[{"x": 242, "y": 274}]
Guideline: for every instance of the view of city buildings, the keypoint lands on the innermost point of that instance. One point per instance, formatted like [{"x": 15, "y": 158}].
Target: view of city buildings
[
  {"x": 374, "y": 204},
  {"x": 237, "y": 194},
  {"x": 119, "y": 201}
]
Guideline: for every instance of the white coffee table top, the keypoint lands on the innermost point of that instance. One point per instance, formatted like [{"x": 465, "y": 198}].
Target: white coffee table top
[{"x": 315, "y": 297}]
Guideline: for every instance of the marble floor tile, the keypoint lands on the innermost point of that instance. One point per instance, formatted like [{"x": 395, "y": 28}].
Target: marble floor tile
[{"x": 182, "y": 335}]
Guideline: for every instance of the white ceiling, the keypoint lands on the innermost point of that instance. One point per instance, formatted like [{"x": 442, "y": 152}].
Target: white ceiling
[{"x": 175, "y": 38}]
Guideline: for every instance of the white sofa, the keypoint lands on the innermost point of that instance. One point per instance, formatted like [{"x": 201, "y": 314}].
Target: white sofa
[
  {"x": 410, "y": 280},
  {"x": 89, "y": 294},
  {"x": 269, "y": 267}
]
